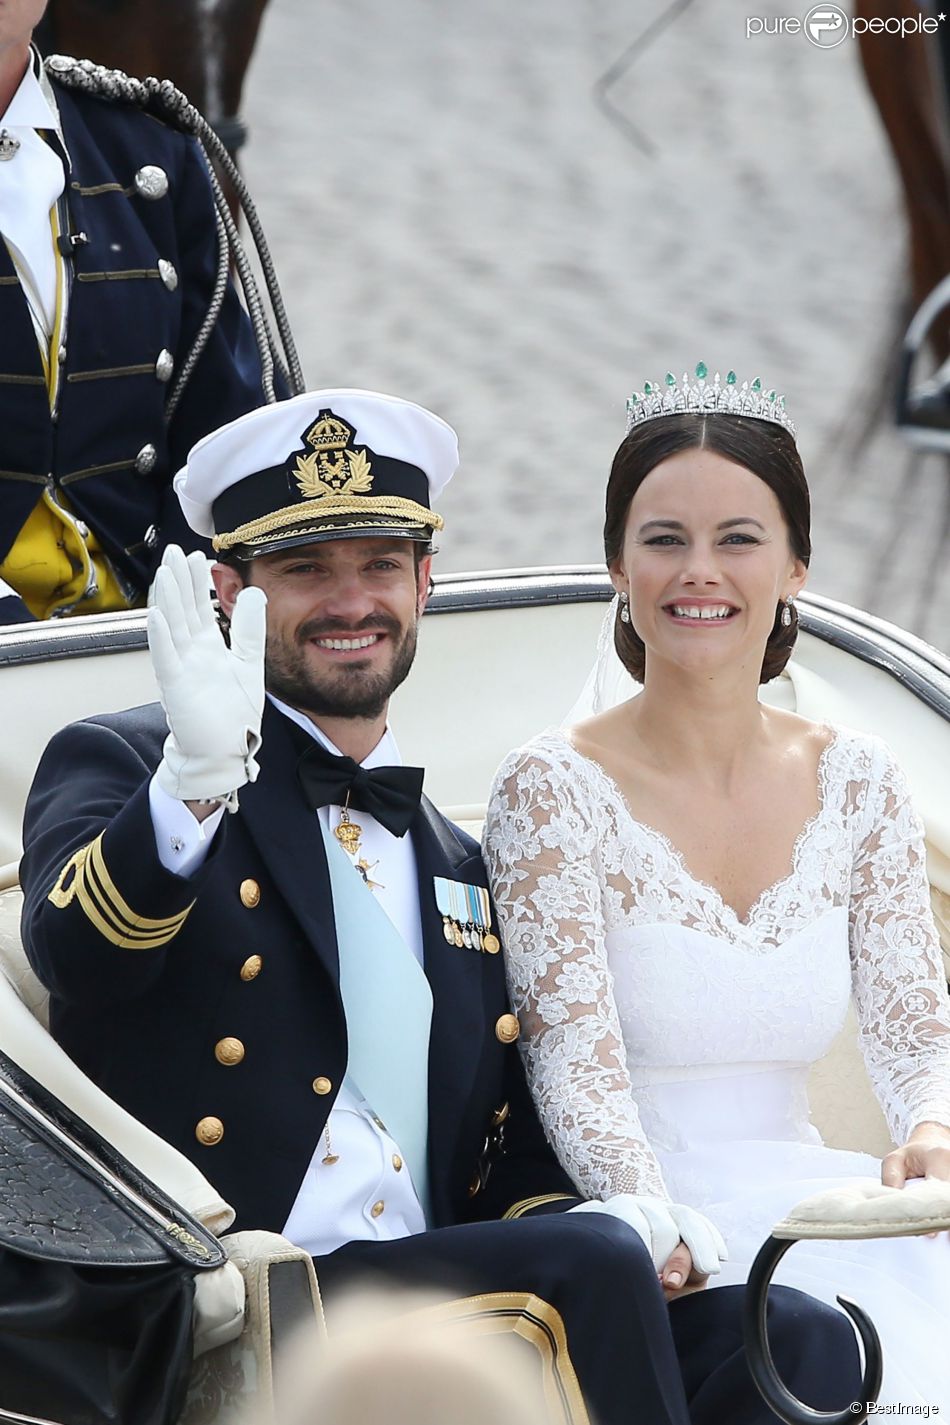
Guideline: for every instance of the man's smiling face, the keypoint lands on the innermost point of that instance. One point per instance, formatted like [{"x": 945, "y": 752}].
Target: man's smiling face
[{"x": 342, "y": 619}]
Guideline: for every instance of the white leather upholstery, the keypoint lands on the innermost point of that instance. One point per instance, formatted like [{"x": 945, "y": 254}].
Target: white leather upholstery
[{"x": 867, "y": 1208}]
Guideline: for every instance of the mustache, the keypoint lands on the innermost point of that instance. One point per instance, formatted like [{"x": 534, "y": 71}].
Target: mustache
[{"x": 329, "y": 628}]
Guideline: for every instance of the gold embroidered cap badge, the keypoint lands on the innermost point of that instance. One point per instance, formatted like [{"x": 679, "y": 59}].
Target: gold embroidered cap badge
[{"x": 334, "y": 466}]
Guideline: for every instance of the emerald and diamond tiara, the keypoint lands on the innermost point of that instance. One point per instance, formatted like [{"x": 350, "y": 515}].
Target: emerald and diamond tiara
[{"x": 725, "y": 398}]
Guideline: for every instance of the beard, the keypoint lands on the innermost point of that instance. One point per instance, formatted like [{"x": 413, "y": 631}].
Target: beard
[{"x": 352, "y": 690}]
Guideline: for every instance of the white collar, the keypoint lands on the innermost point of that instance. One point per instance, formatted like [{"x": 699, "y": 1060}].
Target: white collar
[
  {"x": 34, "y": 106},
  {"x": 384, "y": 754},
  {"x": 30, "y": 108}
]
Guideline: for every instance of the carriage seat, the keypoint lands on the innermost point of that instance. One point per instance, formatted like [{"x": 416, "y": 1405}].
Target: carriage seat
[{"x": 268, "y": 1287}]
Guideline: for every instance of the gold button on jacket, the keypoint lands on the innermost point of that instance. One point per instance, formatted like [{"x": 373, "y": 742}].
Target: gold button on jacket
[
  {"x": 397, "y": 1162},
  {"x": 209, "y": 1131},
  {"x": 378, "y": 1208},
  {"x": 250, "y": 894},
  {"x": 252, "y": 967},
  {"x": 229, "y": 1051},
  {"x": 507, "y": 1029},
  {"x": 322, "y": 1085}
]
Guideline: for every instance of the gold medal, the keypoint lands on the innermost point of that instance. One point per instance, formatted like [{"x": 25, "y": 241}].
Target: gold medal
[
  {"x": 491, "y": 944},
  {"x": 457, "y": 937},
  {"x": 348, "y": 834}
]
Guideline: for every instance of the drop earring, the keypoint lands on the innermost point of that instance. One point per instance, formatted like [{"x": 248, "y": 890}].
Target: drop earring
[
  {"x": 787, "y": 614},
  {"x": 624, "y": 608}
]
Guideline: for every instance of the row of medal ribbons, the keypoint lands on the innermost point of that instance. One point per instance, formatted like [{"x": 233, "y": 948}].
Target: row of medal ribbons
[{"x": 466, "y": 915}]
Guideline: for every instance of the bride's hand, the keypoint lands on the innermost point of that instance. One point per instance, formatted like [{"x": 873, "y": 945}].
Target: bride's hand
[
  {"x": 926, "y": 1154},
  {"x": 679, "y": 1239},
  {"x": 679, "y": 1276}
]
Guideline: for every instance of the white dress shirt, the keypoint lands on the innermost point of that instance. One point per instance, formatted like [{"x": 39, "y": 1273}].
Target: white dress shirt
[
  {"x": 31, "y": 182},
  {"x": 367, "y": 1193}
]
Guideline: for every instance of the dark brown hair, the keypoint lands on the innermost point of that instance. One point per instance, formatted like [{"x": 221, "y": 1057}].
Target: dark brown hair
[{"x": 764, "y": 448}]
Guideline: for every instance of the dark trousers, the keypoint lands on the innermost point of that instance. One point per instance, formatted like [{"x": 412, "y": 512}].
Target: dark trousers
[{"x": 638, "y": 1361}]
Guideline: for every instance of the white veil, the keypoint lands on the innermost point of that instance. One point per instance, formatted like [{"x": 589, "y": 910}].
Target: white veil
[{"x": 608, "y": 682}]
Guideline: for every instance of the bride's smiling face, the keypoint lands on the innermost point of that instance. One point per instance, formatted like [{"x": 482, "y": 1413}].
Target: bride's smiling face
[{"x": 706, "y": 561}]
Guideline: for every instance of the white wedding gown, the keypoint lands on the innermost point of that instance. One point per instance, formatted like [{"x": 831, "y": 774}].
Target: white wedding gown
[{"x": 667, "y": 1041}]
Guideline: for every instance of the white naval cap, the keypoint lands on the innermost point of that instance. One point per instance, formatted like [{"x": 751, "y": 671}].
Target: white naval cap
[{"x": 331, "y": 464}]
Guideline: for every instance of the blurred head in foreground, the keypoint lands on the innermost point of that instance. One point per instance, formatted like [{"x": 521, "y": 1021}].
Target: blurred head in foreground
[{"x": 407, "y": 1358}]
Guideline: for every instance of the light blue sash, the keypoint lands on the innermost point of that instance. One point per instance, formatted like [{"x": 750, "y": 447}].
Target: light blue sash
[{"x": 388, "y": 1006}]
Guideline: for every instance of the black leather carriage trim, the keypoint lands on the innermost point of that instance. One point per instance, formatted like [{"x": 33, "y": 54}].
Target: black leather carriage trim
[
  {"x": 15, "y": 1419},
  {"x": 12, "y": 379},
  {"x": 69, "y": 1196},
  {"x": 528, "y": 1204},
  {"x": 97, "y": 470},
  {"x": 97, "y": 189},
  {"x": 129, "y": 274},
  {"x": 85, "y": 878},
  {"x": 147, "y": 368}
]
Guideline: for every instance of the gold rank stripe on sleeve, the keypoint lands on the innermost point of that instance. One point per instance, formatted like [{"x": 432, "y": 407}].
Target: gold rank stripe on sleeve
[
  {"x": 528, "y": 1204},
  {"x": 99, "y": 898}
]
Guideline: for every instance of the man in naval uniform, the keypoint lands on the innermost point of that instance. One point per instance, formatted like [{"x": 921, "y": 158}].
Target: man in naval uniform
[
  {"x": 107, "y": 268},
  {"x": 306, "y": 995}
]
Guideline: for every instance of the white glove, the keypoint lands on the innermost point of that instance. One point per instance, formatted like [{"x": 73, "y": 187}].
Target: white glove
[
  {"x": 662, "y": 1225},
  {"x": 213, "y": 695}
]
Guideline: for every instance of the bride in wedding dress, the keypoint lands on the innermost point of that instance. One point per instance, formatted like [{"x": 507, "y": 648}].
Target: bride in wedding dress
[{"x": 692, "y": 884}]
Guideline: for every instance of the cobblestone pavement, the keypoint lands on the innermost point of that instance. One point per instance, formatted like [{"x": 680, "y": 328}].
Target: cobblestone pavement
[{"x": 456, "y": 219}]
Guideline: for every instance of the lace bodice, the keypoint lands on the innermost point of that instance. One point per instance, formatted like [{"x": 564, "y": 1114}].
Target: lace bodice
[{"x": 625, "y": 968}]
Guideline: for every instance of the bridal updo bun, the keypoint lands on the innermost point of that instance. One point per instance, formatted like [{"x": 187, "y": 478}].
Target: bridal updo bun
[{"x": 763, "y": 447}]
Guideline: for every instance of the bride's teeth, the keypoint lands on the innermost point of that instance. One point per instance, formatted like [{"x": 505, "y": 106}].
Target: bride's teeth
[{"x": 707, "y": 611}]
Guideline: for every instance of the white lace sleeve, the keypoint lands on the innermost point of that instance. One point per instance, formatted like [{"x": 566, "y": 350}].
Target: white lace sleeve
[
  {"x": 897, "y": 972},
  {"x": 541, "y": 850}
]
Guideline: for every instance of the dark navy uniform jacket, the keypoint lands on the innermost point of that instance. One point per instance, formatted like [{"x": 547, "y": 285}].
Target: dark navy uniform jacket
[
  {"x": 123, "y": 312},
  {"x": 149, "y": 971}
]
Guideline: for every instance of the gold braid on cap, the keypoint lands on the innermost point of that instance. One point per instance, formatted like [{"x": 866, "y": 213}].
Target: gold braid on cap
[{"x": 265, "y": 529}]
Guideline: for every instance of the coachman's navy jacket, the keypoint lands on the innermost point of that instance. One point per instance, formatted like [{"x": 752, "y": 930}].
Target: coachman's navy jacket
[{"x": 110, "y": 449}]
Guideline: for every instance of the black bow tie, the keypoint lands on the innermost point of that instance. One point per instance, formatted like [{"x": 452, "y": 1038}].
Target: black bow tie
[{"x": 390, "y": 794}]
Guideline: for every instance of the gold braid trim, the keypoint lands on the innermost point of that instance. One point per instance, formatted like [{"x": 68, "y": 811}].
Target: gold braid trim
[
  {"x": 327, "y": 507},
  {"x": 103, "y": 905},
  {"x": 528, "y": 1204},
  {"x": 536, "y": 1322}
]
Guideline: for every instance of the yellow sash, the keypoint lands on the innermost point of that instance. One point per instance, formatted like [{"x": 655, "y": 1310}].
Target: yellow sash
[{"x": 52, "y": 565}]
